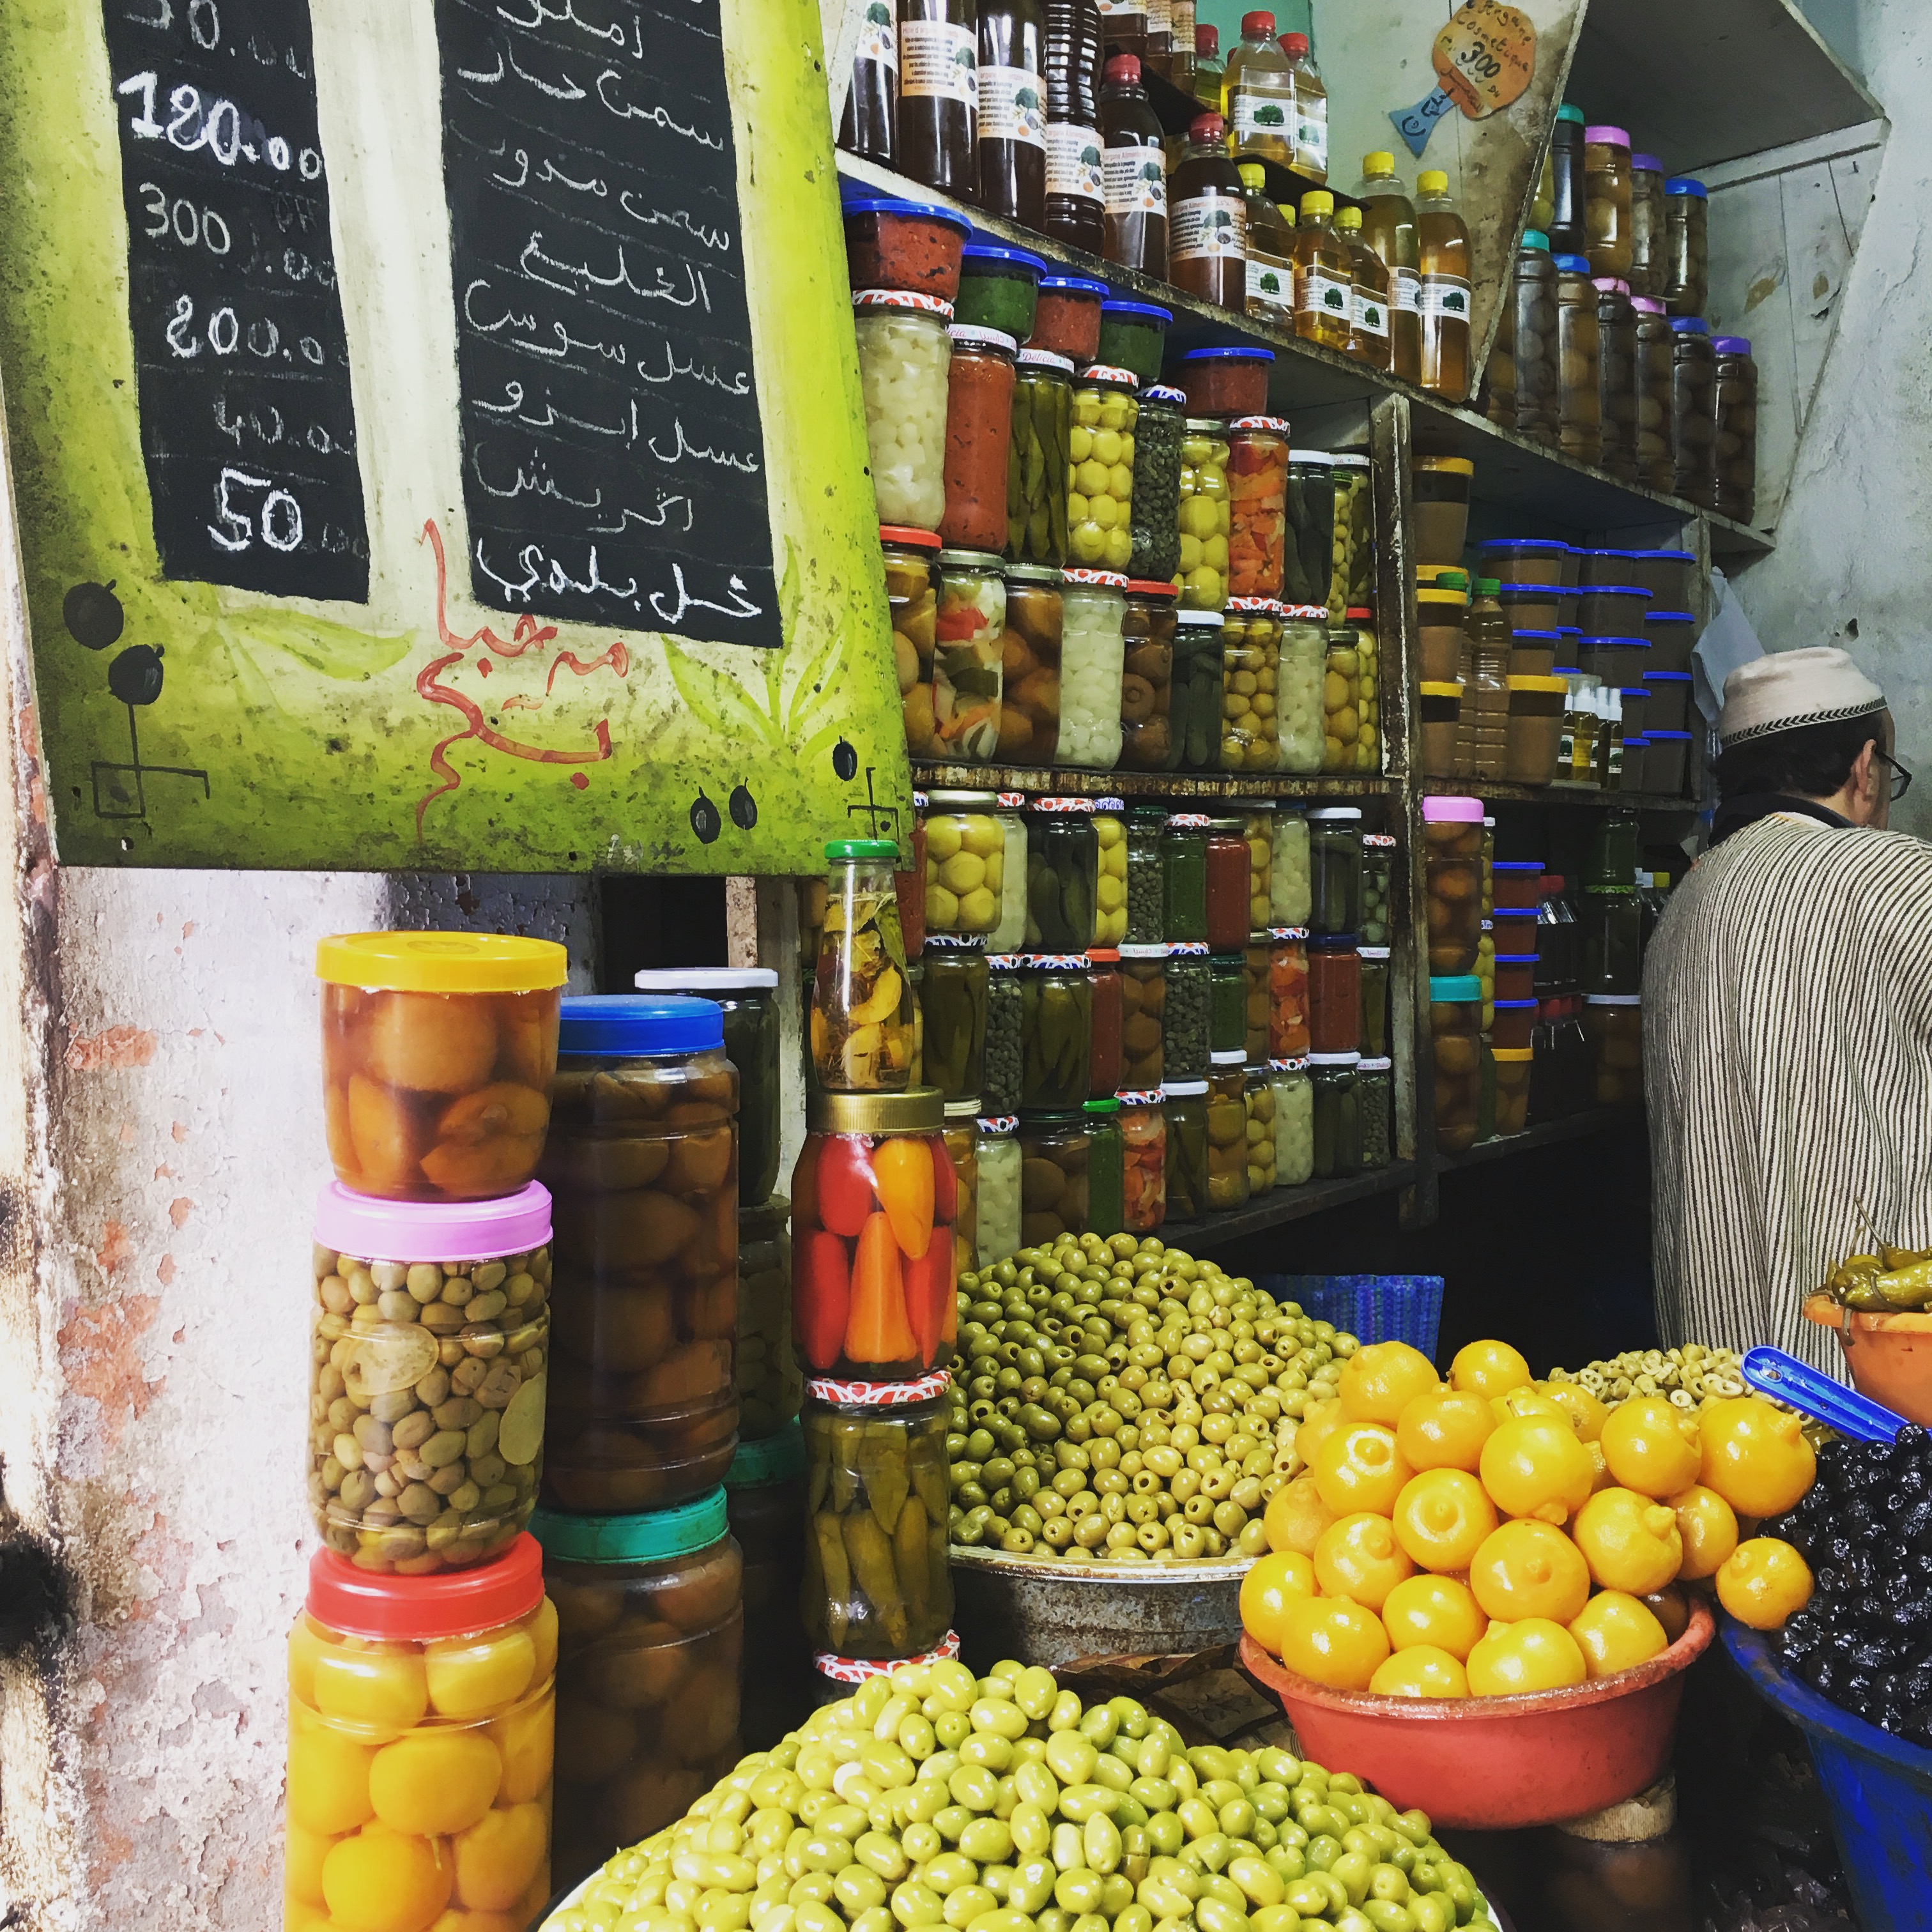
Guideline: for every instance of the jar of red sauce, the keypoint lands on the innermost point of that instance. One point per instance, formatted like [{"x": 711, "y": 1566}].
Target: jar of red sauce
[
  {"x": 1227, "y": 887},
  {"x": 1288, "y": 992},
  {"x": 1103, "y": 975},
  {"x": 1334, "y": 995},
  {"x": 979, "y": 432},
  {"x": 1066, "y": 317}
]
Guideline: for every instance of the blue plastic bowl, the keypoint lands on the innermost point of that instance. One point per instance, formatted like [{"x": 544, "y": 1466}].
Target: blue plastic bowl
[
  {"x": 1371, "y": 1307},
  {"x": 1878, "y": 1788}
]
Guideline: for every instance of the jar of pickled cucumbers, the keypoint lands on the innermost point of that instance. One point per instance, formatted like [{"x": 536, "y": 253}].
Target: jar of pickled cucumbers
[
  {"x": 1030, "y": 666},
  {"x": 1005, "y": 1057},
  {"x": 1100, "y": 469},
  {"x": 1148, "y": 739},
  {"x": 1110, "y": 890},
  {"x": 873, "y": 1208},
  {"x": 1250, "y": 677},
  {"x": 1196, "y": 700},
  {"x": 1255, "y": 959},
  {"x": 905, "y": 358},
  {"x": 1288, "y": 992},
  {"x": 1205, "y": 515},
  {"x": 437, "y": 1050},
  {"x": 1186, "y": 1013},
  {"x": 1349, "y": 699},
  {"x": 1338, "y": 1123},
  {"x": 1063, "y": 875},
  {"x": 1335, "y": 862},
  {"x": 1259, "y": 1099},
  {"x": 1300, "y": 720},
  {"x": 952, "y": 1001},
  {"x": 1227, "y": 1003},
  {"x": 998, "y": 1233},
  {"x": 764, "y": 1503},
  {"x": 1353, "y": 580},
  {"x": 861, "y": 1001},
  {"x": 641, "y": 1158},
  {"x": 1156, "y": 524},
  {"x": 650, "y": 1617},
  {"x": 1143, "y": 975},
  {"x": 962, "y": 1135},
  {"x": 1257, "y": 505},
  {"x": 1055, "y": 1154},
  {"x": 421, "y": 1743},
  {"x": 965, "y": 863},
  {"x": 1227, "y": 1132},
  {"x": 1375, "y": 996},
  {"x": 1146, "y": 911},
  {"x": 1008, "y": 933},
  {"x": 427, "y": 1431},
  {"x": 1183, "y": 858},
  {"x": 1092, "y": 653},
  {"x": 912, "y": 592},
  {"x": 876, "y": 1582},
  {"x": 1037, "y": 485},
  {"x": 1288, "y": 869},
  {"x": 1184, "y": 1104},
  {"x": 1377, "y": 887},
  {"x": 1308, "y": 558},
  {"x": 1144, "y": 1158},
  {"x": 969, "y": 645},
  {"x": 1056, "y": 1025},
  {"x": 769, "y": 1387},
  {"x": 1106, "y": 1210},
  {"x": 1294, "y": 1121}
]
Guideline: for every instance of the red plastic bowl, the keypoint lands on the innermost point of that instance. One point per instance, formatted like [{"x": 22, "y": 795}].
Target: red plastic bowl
[{"x": 1497, "y": 1763}]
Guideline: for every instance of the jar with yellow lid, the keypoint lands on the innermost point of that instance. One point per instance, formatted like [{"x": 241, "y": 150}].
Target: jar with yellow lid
[
  {"x": 650, "y": 1616},
  {"x": 1512, "y": 1066},
  {"x": 437, "y": 1051},
  {"x": 769, "y": 1384},
  {"x": 873, "y": 1202},
  {"x": 1350, "y": 700},
  {"x": 421, "y": 1741},
  {"x": 861, "y": 1002}
]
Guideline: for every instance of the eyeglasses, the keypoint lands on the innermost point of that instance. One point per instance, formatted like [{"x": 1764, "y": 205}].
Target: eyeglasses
[{"x": 1901, "y": 778}]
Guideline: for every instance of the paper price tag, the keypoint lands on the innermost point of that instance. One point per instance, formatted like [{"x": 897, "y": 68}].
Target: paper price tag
[{"x": 1484, "y": 60}]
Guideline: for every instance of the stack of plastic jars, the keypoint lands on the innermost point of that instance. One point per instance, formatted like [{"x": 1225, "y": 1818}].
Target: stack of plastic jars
[{"x": 422, "y": 1672}]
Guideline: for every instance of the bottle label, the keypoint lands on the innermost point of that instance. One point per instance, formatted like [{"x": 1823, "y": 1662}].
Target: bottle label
[
  {"x": 1209, "y": 227},
  {"x": 1270, "y": 283},
  {"x": 1012, "y": 105},
  {"x": 1073, "y": 161},
  {"x": 1136, "y": 179},
  {"x": 937, "y": 62},
  {"x": 878, "y": 41},
  {"x": 1372, "y": 314},
  {"x": 1160, "y": 16},
  {"x": 1566, "y": 747},
  {"x": 1317, "y": 292},
  {"x": 1445, "y": 296},
  {"x": 1262, "y": 111},
  {"x": 1404, "y": 290},
  {"x": 1311, "y": 135}
]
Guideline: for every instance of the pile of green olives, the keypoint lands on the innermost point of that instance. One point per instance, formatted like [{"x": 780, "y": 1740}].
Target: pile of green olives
[
  {"x": 1117, "y": 1399},
  {"x": 930, "y": 1800}
]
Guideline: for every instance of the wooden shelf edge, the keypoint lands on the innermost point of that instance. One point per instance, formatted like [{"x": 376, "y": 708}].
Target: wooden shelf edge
[
  {"x": 1283, "y": 1204},
  {"x": 1573, "y": 1127},
  {"x": 1081, "y": 784}
]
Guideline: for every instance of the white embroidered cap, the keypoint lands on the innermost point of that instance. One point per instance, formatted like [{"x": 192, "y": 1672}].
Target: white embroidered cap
[{"x": 1787, "y": 690}]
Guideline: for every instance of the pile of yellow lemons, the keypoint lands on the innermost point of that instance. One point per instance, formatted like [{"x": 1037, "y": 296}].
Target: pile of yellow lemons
[{"x": 1493, "y": 1535}]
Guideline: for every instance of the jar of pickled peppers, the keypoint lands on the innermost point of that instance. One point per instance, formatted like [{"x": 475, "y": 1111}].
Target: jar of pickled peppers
[
  {"x": 1057, "y": 1026},
  {"x": 1195, "y": 693},
  {"x": 861, "y": 1002},
  {"x": 1144, "y": 1157},
  {"x": 1063, "y": 875},
  {"x": 1288, "y": 992},
  {"x": 1036, "y": 486},
  {"x": 1104, "y": 1059},
  {"x": 1257, "y": 505},
  {"x": 1375, "y": 985},
  {"x": 1227, "y": 885},
  {"x": 953, "y": 1000},
  {"x": 969, "y": 647},
  {"x": 1335, "y": 868}
]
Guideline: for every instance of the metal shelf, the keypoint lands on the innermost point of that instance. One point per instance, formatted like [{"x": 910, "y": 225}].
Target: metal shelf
[
  {"x": 1283, "y": 1204},
  {"x": 1066, "y": 782},
  {"x": 1588, "y": 797},
  {"x": 1551, "y": 1133}
]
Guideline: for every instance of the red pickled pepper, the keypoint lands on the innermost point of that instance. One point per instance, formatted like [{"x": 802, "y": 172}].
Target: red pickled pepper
[
  {"x": 877, "y": 1329},
  {"x": 929, "y": 1291},
  {"x": 821, "y": 1295},
  {"x": 844, "y": 1184},
  {"x": 945, "y": 1182}
]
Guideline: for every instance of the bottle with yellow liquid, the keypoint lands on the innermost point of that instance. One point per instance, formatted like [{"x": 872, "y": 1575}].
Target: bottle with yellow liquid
[
  {"x": 1324, "y": 276},
  {"x": 1388, "y": 227},
  {"x": 1369, "y": 323},
  {"x": 1258, "y": 95},
  {"x": 1443, "y": 243}
]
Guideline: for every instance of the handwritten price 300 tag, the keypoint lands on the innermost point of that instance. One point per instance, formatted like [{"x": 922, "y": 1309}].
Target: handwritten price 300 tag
[{"x": 1483, "y": 59}]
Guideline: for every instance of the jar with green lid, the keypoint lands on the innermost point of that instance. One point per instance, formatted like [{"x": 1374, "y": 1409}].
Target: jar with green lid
[
  {"x": 1256, "y": 958},
  {"x": 1259, "y": 1096},
  {"x": 997, "y": 1235},
  {"x": 862, "y": 1010},
  {"x": 1157, "y": 459},
  {"x": 1057, "y": 1024},
  {"x": 1377, "y": 887},
  {"x": 1227, "y": 1132},
  {"x": 1005, "y": 1059},
  {"x": 1455, "y": 1026},
  {"x": 1250, "y": 678},
  {"x": 1106, "y": 1208},
  {"x": 1144, "y": 1158},
  {"x": 747, "y": 996},
  {"x": 769, "y": 1386},
  {"x": 960, "y": 1135},
  {"x": 1009, "y": 933},
  {"x": 1186, "y": 1019},
  {"x": 953, "y": 999},
  {"x": 1289, "y": 884},
  {"x": 1196, "y": 690},
  {"x": 1063, "y": 875},
  {"x": 1143, "y": 1009},
  {"x": 1056, "y": 1156},
  {"x": 965, "y": 862},
  {"x": 1031, "y": 667},
  {"x": 876, "y": 1582},
  {"x": 1110, "y": 889},
  {"x": 1149, "y": 739},
  {"x": 1294, "y": 1122},
  {"x": 1228, "y": 1009},
  {"x": 1375, "y": 978},
  {"x": 1337, "y": 1112},
  {"x": 1335, "y": 869},
  {"x": 1205, "y": 515},
  {"x": 1308, "y": 555},
  {"x": 764, "y": 1502},
  {"x": 1374, "y": 1102},
  {"x": 650, "y": 1625},
  {"x": 1184, "y": 857},
  {"x": 1147, "y": 910},
  {"x": 1184, "y": 1105},
  {"x": 1300, "y": 698},
  {"x": 1036, "y": 462}
]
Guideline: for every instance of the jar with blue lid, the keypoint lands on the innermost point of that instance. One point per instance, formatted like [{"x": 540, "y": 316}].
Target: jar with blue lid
[
  {"x": 650, "y": 1633},
  {"x": 642, "y": 1159}
]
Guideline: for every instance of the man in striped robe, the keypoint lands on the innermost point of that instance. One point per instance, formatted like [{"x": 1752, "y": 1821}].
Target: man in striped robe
[{"x": 1787, "y": 1008}]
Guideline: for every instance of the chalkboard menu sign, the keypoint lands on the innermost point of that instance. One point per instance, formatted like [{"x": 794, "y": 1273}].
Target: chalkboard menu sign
[
  {"x": 613, "y": 464},
  {"x": 247, "y": 421}
]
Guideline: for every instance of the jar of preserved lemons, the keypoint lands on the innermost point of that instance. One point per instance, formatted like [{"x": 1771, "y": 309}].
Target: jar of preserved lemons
[
  {"x": 1100, "y": 470},
  {"x": 1206, "y": 515},
  {"x": 965, "y": 862},
  {"x": 1349, "y": 700}
]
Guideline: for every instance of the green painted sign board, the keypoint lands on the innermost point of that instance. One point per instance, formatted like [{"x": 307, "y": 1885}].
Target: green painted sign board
[{"x": 436, "y": 438}]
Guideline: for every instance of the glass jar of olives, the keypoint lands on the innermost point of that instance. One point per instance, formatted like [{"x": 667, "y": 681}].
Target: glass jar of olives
[
  {"x": 1008, "y": 933},
  {"x": 1250, "y": 684},
  {"x": 1100, "y": 469},
  {"x": 1260, "y": 1159},
  {"x": 1143, "y": 975},
  {"x": 998, "y": 1233},
  {"x": 1294, "y": 1122},
  {"x": 876, "y": 1582},
  {"x": 1255, "y": 976},
  {"x": 862, "y": 1003},
  {"x": 1148, "y": 740},
  {"x": 769, "y": 1387},
  {"x": 1005, "y": 1052},
  {"x": 1184, "y": 1103},
  {"x": 1377, "y": 887},
  {"x": 1144, "y": 1157},
  {"x": 1030, "y": 665},
  {"x": 1055, "y": 1156},
  {"x": 1106, "y": 1209},
  {"x": 1227, "y": 1132},
  {"x": 1110, "y": 889},
  {"x": 965, "y": 862},
  {"x": 1337, "y": 1115},
  {"x": 1354, "y": 579},
  {"x": 1063, "y": 875},
  {"x": 1352, "y": 707},
  {"x": 1187, "y": 1015},
  {"x": 912, "y": 592},
  {"x": 1257, "y": 822},
  {"x": 1057, "y": 1024},
  {"x": 953, "y": 999},
  {"x": 1335, "y": 868}
]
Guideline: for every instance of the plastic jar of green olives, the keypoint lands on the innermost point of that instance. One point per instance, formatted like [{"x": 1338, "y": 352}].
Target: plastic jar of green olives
[
  {"x": 1196, "y": 695},
  {"x": 1143, "y": 1011},
  {"x": 1184, "y": 1103},
  {"x": 998, "y": 1233},
  {"x": 769, "y": 1385},
  {"x": 1337, "y": 1111},
  {"x": 1063, "y": 875},
  {"x": 1227, "y": 1132},
  {"x": 1056, "y": 1152},
  {"x": 1005, "y": 1059},
  {"x": 1105, "y": 1207},
  {"x": 764, "y": 1503},
  {"x": 875, "y": 1582},
  {"x": 1183, "y": 858},
  {"x": 1187, "y": 1022},
  {"x": 1294, "y": 1122},
  {"x": 952, "y": 999},
  {"x": 1056, "y": 1031},
  {"x": 650, "y": 1638},
  {"x": 1147, "y": 910}
]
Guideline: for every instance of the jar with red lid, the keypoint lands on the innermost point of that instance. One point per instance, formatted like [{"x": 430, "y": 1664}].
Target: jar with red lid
[
  {"x": 1334, "y": 995},
  {"x": 1257, "y": 505},
  {"x": 1103, "y": 976},
  {"x": 1288, "y": 993},
  {"x": 874, "y": 1201},
  {"x": 1227, "y": 887},
  {"x": 979, "y": 431},
  {"x": 1143, "y": 1160},
  {"x": 421, "y": 1745}
]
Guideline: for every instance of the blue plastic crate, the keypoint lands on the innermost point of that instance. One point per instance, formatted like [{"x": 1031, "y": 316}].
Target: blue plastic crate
[{"x": 1371, "y": 1307}]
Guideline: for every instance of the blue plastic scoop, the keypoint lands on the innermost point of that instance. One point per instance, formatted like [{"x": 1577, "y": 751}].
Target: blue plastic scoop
[{"x": 1786, "y": 1379}]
